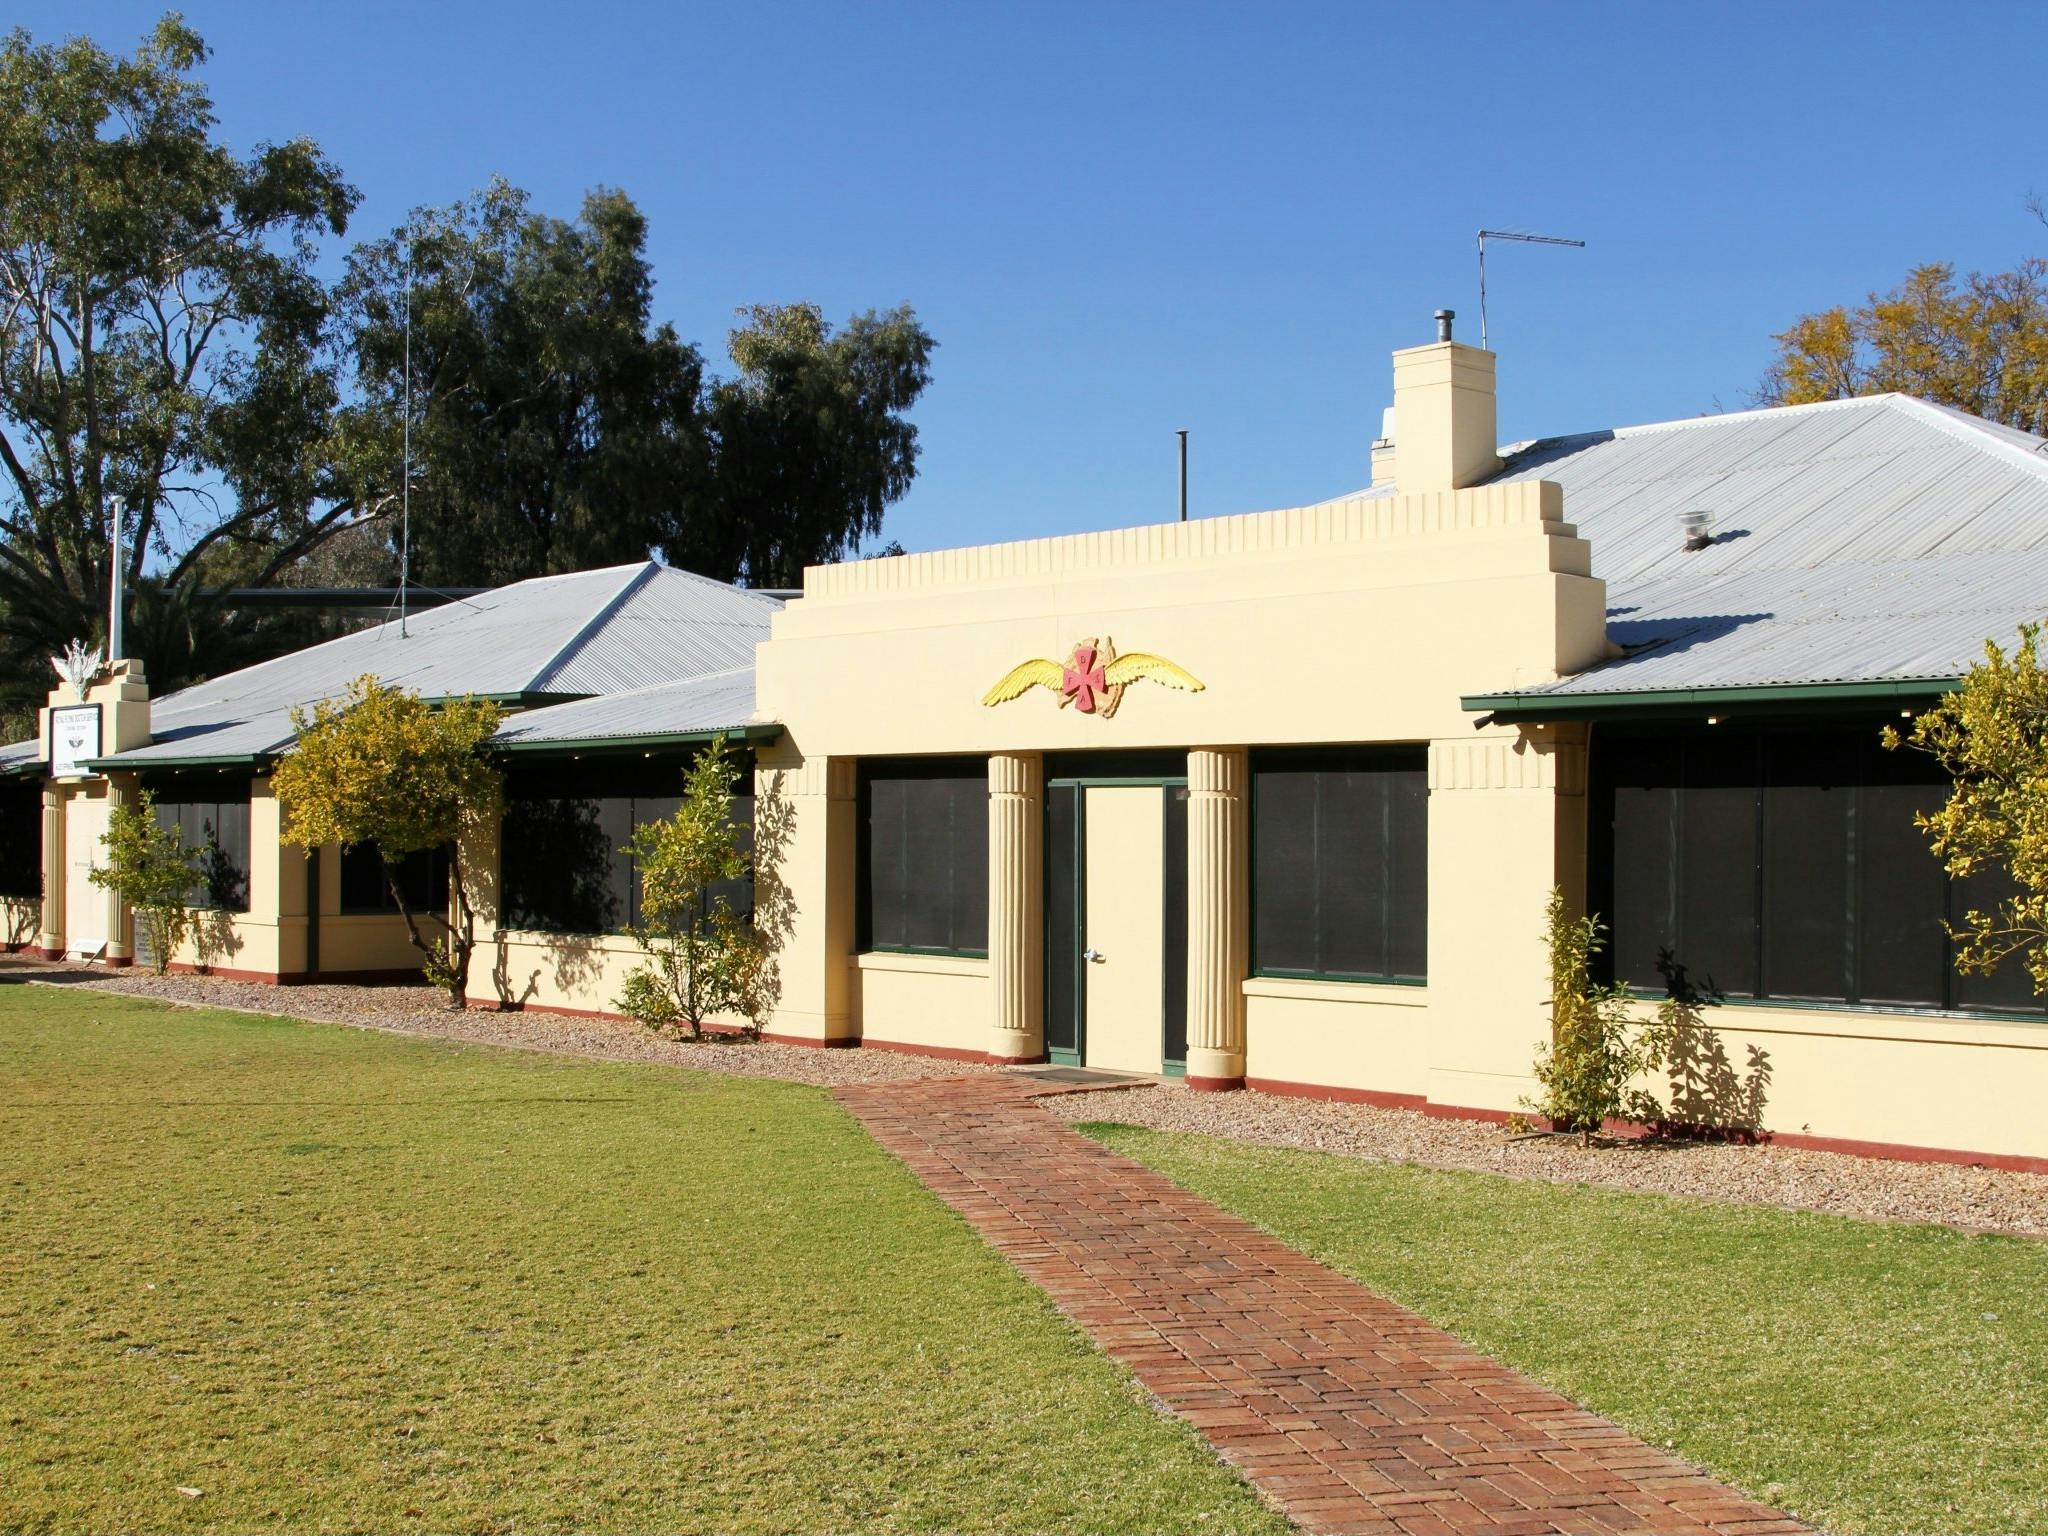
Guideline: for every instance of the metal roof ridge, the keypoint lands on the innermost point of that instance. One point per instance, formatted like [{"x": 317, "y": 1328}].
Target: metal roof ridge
[
  {"x": 712, "y": 581},
  {"x": 1972, "y": 429},
  {"x": 566, "y": 652}
]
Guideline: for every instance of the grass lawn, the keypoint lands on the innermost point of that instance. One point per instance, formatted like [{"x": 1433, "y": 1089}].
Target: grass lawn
[
  {"x": 1874, "y": 1378},
  {"x": 343, "y": 1281}
]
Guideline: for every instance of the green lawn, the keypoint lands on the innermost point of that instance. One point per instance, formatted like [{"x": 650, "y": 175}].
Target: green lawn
[
  {"x": 341, "y": 1281},
  {"x": 1875, "y": 1378}
]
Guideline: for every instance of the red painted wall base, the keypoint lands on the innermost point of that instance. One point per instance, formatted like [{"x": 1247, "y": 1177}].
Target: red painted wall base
[
  {"x": 1373, "y": 1096},
  {"x": 1216, "y": 1084}
]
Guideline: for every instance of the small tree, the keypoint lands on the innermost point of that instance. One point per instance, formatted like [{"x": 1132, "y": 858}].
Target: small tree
[
  {"x": 1593, "y": 1055},
  {"x": 149, "y": 867},
  {"x": 703, "y": 957},
  {"x": 1991, "y": 735},
  {"x": 383, "y": 766}
]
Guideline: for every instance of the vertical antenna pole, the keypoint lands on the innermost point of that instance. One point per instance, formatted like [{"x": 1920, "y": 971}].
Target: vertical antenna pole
[
  {"x": 1482, "y": 292},
  {"x": 116, "y": 640},
  {"x": 1183, "y": 435},
  {"x": 405, "y": 493}
]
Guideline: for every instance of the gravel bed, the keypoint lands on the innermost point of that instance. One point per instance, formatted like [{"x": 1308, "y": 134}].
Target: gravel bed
[
  {"x": 422, "y": 1010},
  {"x": 1979, "y": 1198}
]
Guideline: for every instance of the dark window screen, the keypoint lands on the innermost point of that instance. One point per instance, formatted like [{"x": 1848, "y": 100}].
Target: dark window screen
[
  {"x": 21, "y": 838},
  {"x": 422, "y": 876},
  {"x": 1174, "y": 925},
  {"x": 924, "y": 855},
  {"x": 1062, "y": 918},
  {"x": 1809, "y": 800},
  {"x": 212, "y": 819},
  {"x": 566, "y": 827},
  {"x": 1782, "y": 864},
  {"x": 1340, "y": 862}
]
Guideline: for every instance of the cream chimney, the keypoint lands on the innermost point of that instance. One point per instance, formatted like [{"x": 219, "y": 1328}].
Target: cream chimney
[
  {"x": 1444, "y": 407},
  {"x": 1383, "y": 452}
]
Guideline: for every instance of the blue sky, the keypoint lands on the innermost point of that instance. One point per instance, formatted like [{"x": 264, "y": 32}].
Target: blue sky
[{"x": 1124, "y": 219}]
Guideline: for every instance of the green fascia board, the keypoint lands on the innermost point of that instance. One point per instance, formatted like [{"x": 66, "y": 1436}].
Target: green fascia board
[
  {"x": 226, "y": 760},
  {"x": 1645, "y": 701},
  {"x": 565, "y": 745}
]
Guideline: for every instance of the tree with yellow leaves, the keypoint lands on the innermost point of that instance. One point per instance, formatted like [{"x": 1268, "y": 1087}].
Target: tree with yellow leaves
[
  {"x": 1979, "y": 344},
  {"x": 1991, "y": 734},
  {"x": 383, "y": 766}
]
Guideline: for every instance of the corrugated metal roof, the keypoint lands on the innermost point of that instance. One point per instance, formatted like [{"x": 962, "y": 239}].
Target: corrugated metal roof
[
  {"x": 1863, "y": 540},
  {"x": 673, "y": 625},
  {"x": 722, "y": 702},
  {"x": 590, "y": 632}
]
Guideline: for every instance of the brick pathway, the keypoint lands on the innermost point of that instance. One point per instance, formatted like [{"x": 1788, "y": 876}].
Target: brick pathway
[{"x": 1353, "y": 1415}]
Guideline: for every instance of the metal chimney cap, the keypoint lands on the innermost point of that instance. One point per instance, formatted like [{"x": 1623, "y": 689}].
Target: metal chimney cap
[{"x": 1444, "y": 317}]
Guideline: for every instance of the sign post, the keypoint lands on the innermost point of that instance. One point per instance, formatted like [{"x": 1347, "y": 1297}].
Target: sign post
[{"x": 74, "y": 740}]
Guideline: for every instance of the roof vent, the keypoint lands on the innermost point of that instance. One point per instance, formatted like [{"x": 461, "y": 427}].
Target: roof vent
[
  {"x": 1444, "y": 317},
  {"x": 1698, "y": 528}
]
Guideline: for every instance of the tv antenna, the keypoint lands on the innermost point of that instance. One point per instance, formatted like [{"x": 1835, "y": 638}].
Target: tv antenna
[
  {"x": 405, "y": 494},
  {"x": 1508, "y": 234}
]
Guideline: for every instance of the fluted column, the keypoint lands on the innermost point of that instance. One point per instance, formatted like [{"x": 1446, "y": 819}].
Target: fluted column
[
  {"x": 51, "y": 941},
  {"x": 1016, "y": 905},
  {"x": 121, "y": 792},
  {"x": 1219, "y": 916}
]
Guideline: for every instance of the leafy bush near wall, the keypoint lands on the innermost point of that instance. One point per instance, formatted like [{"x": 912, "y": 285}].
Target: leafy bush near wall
[
  {"x": 1594, "y": 1053},
  {"x": 149, "y": 867},
  {"x": 703, "y": 957}
]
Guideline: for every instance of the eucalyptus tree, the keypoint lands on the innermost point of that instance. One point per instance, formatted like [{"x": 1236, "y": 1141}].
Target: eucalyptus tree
[
  {"x": 163, "y": 353},
  {"x": 556, "y": 425}
]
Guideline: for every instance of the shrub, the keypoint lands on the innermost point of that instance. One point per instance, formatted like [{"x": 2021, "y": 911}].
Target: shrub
[
  {"x": 703, "y": 958},
  {"x": 1588, "y": 1065},
  {"x": 149, "y": 867}
]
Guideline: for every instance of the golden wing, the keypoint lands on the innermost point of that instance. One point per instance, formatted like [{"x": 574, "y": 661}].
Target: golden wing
[
  {"x": 1133, "y": 665},
  {"x": 1031, "y": 674}
]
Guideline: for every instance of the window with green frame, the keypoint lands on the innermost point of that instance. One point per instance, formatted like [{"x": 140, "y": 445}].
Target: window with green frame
[
  {"x": 923, "y": 855},
  {"x": 1340, "y": 863}
]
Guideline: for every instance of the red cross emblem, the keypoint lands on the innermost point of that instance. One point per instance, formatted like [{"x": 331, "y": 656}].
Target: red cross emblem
[{"x": 1081, "y": 681}]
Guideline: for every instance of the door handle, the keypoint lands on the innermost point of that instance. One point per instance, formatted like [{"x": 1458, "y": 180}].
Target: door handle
[{"x": 1093, "y": 956}]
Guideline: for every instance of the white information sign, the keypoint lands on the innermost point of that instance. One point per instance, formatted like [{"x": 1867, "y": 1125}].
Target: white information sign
[{"x": 74, "y": 740}]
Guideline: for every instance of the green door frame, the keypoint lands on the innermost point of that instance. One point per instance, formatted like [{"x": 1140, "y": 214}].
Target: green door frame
[{"x": 1082, "y": 784}]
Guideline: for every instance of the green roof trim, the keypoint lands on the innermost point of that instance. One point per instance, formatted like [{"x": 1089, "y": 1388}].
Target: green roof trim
[
  {"x": 150, "y": 764},
  {"x": 1650, "y": 701},
  {"x": 639, "y": 741}
]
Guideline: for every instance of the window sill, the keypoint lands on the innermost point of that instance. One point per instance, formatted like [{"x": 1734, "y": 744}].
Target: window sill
[
  {"x": 925, "y": 965},
  {"x": 1383, "y": 994},
  {"x": 545, "y": 937},
  {"x": 1869, "y": 1021}
]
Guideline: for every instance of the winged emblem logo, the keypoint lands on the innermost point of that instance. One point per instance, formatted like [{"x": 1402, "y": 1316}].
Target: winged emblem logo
[
  {"x": 1093, "y": 678},
  {"x": 78, "y": 666}
]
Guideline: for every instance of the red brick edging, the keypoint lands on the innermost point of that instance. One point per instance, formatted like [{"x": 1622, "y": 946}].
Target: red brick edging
[{"x": 1350, "y": 1414}]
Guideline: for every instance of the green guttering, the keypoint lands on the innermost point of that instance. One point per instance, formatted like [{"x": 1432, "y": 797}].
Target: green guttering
[
  {"x": 119, "y": 764},
  {"x": 1651, "y": 702},
  {"x": 643, "y": 741}
]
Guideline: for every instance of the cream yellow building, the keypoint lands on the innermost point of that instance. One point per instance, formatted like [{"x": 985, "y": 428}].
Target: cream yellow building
[{"x": 1277, "y": 799}]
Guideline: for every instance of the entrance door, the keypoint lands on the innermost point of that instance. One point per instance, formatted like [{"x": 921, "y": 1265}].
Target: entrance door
[
  {"x": 1123, "y": 938},
  {"x": 1116, "y": 925},
  {"x": 85, "y": 904}
]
